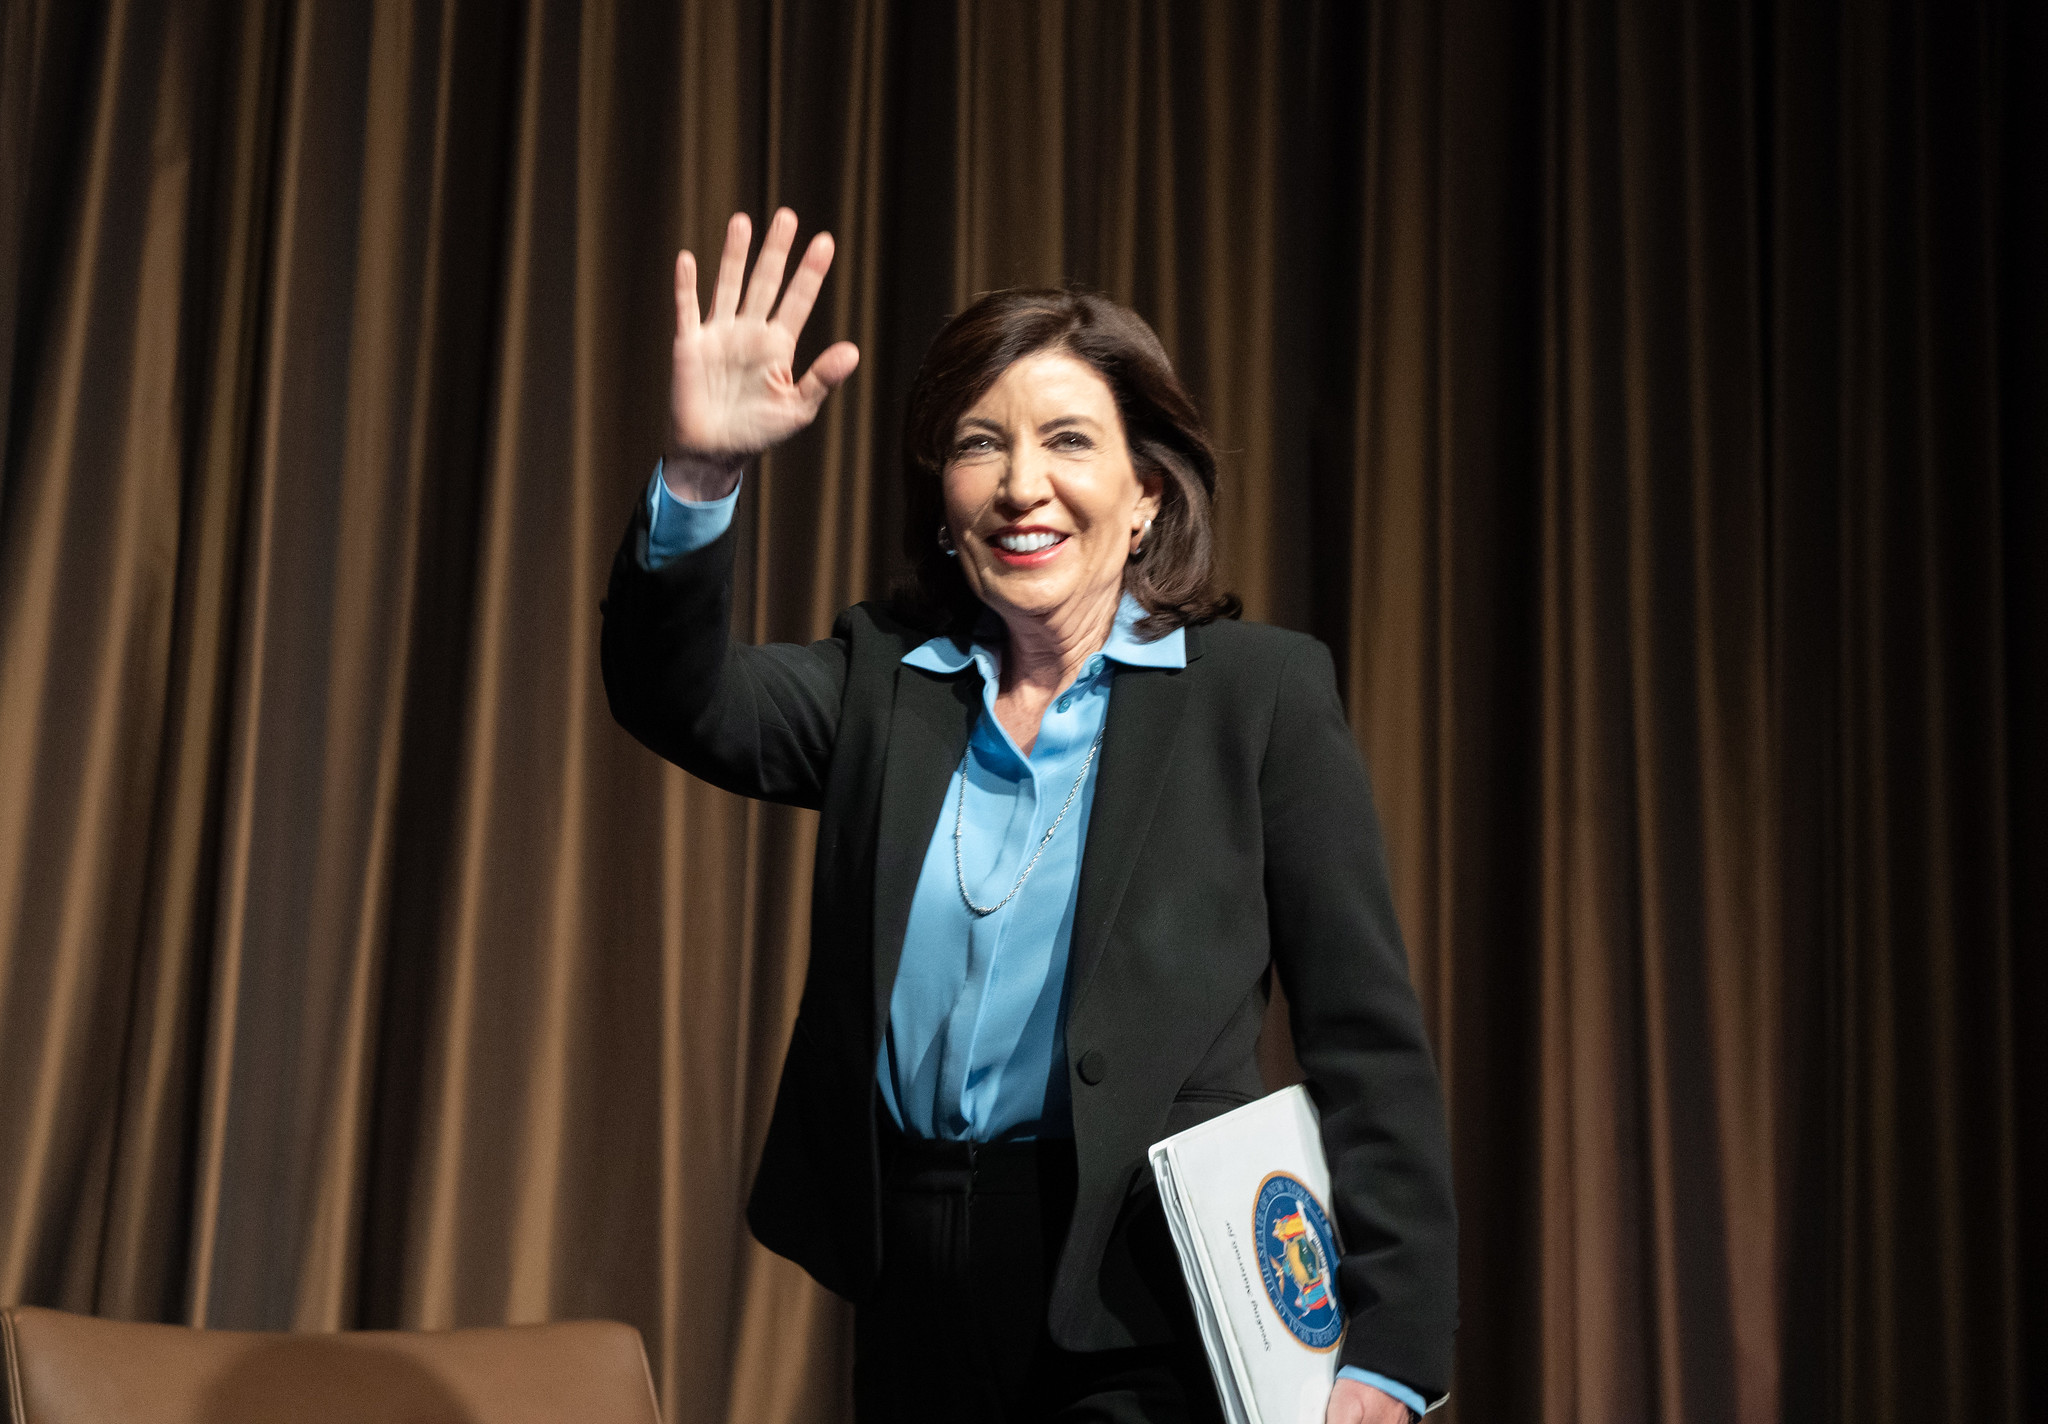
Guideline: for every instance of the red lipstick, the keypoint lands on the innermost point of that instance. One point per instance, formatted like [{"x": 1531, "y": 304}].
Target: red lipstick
[{"x": 1035, "y": 557}]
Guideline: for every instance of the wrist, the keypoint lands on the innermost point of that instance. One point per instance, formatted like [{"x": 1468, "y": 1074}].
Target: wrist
[{"x": 699, "y": 478}]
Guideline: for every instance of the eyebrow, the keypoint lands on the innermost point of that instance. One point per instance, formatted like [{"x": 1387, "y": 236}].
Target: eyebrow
[{"x": 1058, "y": 422}]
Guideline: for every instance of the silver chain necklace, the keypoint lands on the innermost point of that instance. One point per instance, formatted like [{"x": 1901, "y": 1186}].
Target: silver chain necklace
[{"x": 960, "y": 810}]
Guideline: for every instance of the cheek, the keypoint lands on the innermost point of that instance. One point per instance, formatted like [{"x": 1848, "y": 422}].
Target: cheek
[
  {"x": 1111, "y": 502},
  {"x": 964, "y": 491}
]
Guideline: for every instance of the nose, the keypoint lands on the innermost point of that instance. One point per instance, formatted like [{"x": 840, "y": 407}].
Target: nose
[{"x": 1025, "y": 483}]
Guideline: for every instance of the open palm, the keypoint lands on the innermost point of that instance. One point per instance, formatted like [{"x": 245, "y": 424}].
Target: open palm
[{"x": 734, "y": 391}]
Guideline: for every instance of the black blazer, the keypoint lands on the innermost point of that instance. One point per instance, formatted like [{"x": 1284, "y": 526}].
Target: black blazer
[{"x": 1233, "y": 829}]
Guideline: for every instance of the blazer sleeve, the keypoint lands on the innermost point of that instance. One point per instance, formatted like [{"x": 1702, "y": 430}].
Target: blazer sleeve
[
  {"x": 1358, "y": 1035},
  {"x": 759, "y": 721}
]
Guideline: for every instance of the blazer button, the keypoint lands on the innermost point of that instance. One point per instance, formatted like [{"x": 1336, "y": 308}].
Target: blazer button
[{"x": 1092, "y": 1066}]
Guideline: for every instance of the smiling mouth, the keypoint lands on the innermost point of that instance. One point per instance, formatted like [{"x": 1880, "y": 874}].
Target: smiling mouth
[
  {"x": 1026, "y": 548},
  {"x": 1032, "y": 543}
]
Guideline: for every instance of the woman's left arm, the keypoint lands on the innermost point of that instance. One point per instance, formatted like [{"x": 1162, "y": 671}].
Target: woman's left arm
[{"x": 1358, "y": 1035}]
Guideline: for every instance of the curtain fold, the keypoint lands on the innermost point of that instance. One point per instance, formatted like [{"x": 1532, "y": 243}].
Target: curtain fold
[{"x": 1642, "y": 401}]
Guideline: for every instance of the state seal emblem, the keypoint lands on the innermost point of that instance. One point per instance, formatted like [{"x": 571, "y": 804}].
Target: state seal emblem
[{"x": 1298, "y": 1260}]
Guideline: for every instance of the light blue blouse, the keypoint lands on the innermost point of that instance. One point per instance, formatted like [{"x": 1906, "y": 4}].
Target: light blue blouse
[{"x": 976, "y": 1045}]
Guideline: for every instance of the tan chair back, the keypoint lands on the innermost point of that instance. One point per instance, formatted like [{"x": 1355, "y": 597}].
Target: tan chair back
[{"x": 73, "y": 1369}]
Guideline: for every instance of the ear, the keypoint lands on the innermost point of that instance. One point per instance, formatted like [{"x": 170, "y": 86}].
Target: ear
[{"x": 1151, "y": 490}]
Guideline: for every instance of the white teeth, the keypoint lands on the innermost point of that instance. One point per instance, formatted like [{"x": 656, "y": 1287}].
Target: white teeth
[{"x": 1026, "y": 543}]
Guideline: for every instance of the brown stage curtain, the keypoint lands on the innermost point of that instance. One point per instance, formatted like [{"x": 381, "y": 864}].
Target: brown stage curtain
[{"x": 1644, "y": 400}]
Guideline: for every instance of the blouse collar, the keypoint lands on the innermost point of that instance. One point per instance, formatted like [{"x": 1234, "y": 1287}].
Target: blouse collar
[{"x": 944, "y": 654}]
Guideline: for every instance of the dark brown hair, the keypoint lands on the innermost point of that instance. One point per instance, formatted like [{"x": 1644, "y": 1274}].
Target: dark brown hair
[{"x": 1174, "y": 579}]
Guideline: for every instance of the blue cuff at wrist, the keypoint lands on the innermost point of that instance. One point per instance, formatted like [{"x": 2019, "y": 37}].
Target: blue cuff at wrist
[
  {"x": 676, "y": 527},
  {"x": 1417, "y": 1405}
]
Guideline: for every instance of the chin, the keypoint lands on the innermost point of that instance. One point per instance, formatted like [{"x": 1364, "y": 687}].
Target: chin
[
  {"x": 1039, "y": 604},
  {"x": 1020, "y": 602}
]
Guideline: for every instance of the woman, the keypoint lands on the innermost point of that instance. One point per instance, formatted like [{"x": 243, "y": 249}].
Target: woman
[{"x": 1072, "y": 817}]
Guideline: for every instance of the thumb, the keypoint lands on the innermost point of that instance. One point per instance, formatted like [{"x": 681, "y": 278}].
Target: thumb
[{"x": 834, "y": 364}]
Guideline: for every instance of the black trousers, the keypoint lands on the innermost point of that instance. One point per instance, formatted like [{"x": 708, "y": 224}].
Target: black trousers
[{"x": 955, "y": 1330}]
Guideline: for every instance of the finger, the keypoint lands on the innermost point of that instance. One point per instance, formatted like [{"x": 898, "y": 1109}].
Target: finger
[
  {"x": 768, "y": 266},
  {"x": 732, "y": 267},
  {"x": 686, "y": 294},
  {"x": 803, "y": 287},
  {"x": 834, "y": 364}
]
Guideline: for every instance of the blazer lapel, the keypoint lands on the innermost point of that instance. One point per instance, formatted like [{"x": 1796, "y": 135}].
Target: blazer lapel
[
  {"x": 1137, "y": 745},
  {"x": 933, "y": 717}
]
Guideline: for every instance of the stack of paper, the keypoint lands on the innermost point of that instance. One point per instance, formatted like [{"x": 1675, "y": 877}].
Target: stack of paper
[{"x": 1247, "y": 1197}]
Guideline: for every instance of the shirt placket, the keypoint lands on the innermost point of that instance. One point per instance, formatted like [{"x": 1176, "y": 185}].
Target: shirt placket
[
  {"x": 966, "y": 1081},
  {"x": 1048, "y": 780}
]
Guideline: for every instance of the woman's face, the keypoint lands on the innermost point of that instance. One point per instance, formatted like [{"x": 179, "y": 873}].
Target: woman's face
[{"x": 1042, "y": 500}]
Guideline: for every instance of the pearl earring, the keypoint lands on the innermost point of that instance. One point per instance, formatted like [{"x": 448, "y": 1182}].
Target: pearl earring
[{"x": 1143, "y": 533}]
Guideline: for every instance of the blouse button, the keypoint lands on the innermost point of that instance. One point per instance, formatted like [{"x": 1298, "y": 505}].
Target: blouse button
[
  {"x": 1066, "y": 701},
  {"x": 1092, "y": 1066}
]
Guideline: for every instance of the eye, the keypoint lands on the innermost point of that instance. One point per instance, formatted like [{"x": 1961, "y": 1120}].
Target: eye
[
  {"x": 1072, "y": 440},
  {"x": 973, "y": 445}
]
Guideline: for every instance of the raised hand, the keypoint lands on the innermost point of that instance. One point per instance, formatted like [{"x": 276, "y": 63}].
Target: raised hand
[{"x": 733, "y": 390}]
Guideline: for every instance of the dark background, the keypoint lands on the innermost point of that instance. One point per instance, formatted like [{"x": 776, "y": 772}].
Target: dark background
[{"x": 1644, "y": 400}]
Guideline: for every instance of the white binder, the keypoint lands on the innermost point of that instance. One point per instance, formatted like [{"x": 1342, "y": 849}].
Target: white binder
[{"x": 1247, "y": 1195}]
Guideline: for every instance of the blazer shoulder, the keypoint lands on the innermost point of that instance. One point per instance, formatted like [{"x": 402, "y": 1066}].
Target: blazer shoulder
[
  {"x": 1254, "y": 647},
  {"x": 877, "y": 632}
]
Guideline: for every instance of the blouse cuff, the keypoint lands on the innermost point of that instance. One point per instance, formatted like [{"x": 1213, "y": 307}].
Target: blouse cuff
[
  {"x": 1416, "y": 1404},
  {"x": 676, "y": 527}
]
